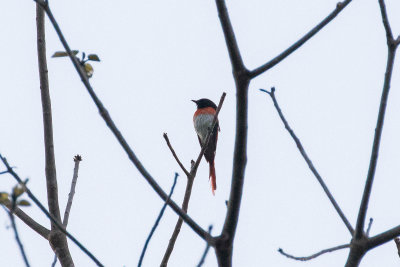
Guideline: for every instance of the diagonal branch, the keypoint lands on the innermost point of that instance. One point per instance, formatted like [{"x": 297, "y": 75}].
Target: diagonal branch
[
  {"x": 339, "y": 7},
  {"x": 110, "y": 123},
  {"x": 385, "y": 21},
  {"x": 175, "y": 156},
  {"x": 38, "y": 228},
  {"x": 189, "y": 185},
  {"x": 203, "y": 257},
  {"x": 43, "y": 209},
  {"x": 308, "y": 160},
  {"x": 379, "y": 125},
  {"x": 230, "y": 39},
  {"x": 313, "y": 256},
  {"x": 153, "y": 229}
]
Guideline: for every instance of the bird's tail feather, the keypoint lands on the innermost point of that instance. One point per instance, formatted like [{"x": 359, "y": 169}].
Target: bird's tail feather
[{"x": 213, "y": 177}]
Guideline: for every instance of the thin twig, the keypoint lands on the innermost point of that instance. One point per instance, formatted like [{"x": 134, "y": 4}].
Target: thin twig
[
  {"x": 189, "y": 185},
  {"x": 339, "y": 7},
  {"x": 203, "y": 257},
  {"x": 307, "y": 258},
  {"x": 308, "y": 161},
  {"x": 153, "y": 229},
  {"x": 43, "y": 209},
  {"x": 19, "y": 242},
  {"x": 379, "y": 125},
  {"x": 110, "y": 123},
  {"x": 371, "y": 220},
  {"x": 77, "y": 160},
  {"x": 174, "y": 154}
]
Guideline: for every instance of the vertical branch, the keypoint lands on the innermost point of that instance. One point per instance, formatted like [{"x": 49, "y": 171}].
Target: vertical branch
[
  {"x": 153, "y": 229},
  {"x": 392, "y": 45},
  {"x": 58, "y": 240},
  {"x": 224, "y": 244},
  {"x": 51, "y": 178}
]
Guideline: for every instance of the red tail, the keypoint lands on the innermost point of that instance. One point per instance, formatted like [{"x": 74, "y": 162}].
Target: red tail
[{"x": 213, "y": 177}]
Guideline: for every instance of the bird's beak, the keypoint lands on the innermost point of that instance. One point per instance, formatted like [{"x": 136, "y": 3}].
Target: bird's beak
[{"x": 194, "y": 101}]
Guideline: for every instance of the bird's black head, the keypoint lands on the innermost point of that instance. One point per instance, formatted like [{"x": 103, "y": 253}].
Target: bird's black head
[{"x": 205, "y": 103}]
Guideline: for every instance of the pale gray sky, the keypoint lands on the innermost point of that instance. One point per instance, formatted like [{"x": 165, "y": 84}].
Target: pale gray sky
[{"x": 156, "y": 57}]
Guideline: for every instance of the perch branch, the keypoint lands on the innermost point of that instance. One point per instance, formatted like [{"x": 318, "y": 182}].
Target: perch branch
[{"x": 189, "y": 185}]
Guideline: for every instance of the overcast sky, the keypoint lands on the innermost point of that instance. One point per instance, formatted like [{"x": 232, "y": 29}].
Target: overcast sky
[{"x": 156, "y": 57}]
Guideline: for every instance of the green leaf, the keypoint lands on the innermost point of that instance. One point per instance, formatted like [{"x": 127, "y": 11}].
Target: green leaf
[
  {"x": 93, "y": 57},
  {"x": 18, "y": 190},
  {"x": 89, "y": 70},
  {"x": 3, "y": 197},
  {"x": 64, "y": 54},
  {"x": 24, "y": 203},
  {"x": 60, "y": 54}
]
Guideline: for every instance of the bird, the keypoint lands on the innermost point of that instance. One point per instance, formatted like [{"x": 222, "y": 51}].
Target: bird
[{"x": 202, "y": 120}]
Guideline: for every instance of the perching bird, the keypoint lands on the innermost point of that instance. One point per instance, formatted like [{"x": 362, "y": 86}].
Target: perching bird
[{"x": 202, "y": 120}]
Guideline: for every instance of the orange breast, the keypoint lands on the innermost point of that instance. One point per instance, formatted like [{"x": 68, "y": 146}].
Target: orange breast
[{"x": 208, "y": 110}]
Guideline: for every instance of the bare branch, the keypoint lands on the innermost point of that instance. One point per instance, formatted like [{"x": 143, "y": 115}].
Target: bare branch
[
  {"x": 203, "y": 257},
  {"x": 153, "y": 229},
  {"x": 110, "y": 123},
  {"x": 43, "y": 209},
  {"x": 38, "y": 228},
  {"x": 19, "y": 242},
  {"x": 369, "y": 226},
  {"x": 397, "y": 242},
  {"x": 383, "y": 237},
  {"x": 77, "y": 160},
  {"x": 57, "y": 241},
  {"x": 189, "y": 185},
  {"x": 339, "y": 7},
  {"x": 224, "y": 242},
  {"x": 230, "y": 39},
  {"x": 385, "y": 21},
  {"x": 177, "y": 229},
  {"x": 379, "y": 126},
  {"x": 308, "y": 160},
  {"x": 313, "y": 256},
  {"x": 51, "y": 178},
  {"x": 175, "y": 156}
]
